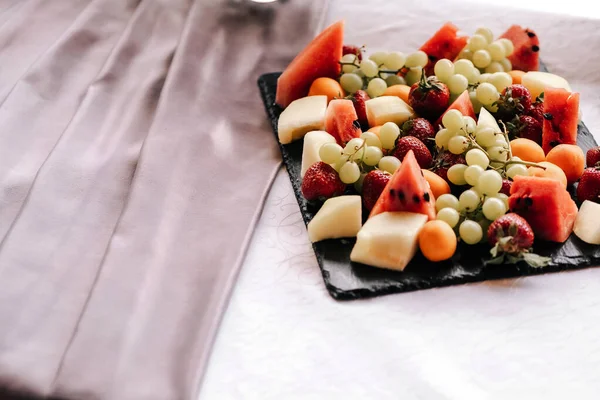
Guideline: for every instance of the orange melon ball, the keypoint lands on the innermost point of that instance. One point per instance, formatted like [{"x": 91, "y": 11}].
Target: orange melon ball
[
  {"x": 375, "y": 129},
  {"x": 570, "y": 158},
  {"x": 399, "y": 91},
  {"x": 527, "y": 150},
  {"x": 552, "y": 171},
  {"x": 437, "y": 241},
  {"x": 517, "y": 76},
  {"x": 437, "y": 184},
  {"x": 328, "y": 87}
]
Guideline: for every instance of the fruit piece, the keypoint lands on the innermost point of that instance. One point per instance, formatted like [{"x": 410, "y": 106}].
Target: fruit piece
[
  {"x": 527, "y": 127},
  {"x": 469, "y": 200},
  {"x": 470, "y": 232},
  {"x": 312, "y": 145},
  {"x": 429, "y": 97},
  {"x": 421, "y": 129},
  {"x": 376, "y": 87},
  {"x": 516, "y": 75},
  {"x": 514, "y": 99},
  {"x": 486, "y": 94},
  {"x": 338, "y": 217},
  {"x": 359, "y": 98},
  {"x": 446, "y": 201},
  {"x": 327, "y": 87},
  {"x": 388, "y": 134},
  {"x": 456, "y": 174},
  {"x": 444, "y": 161},
  {"x": 453, "y": 121},
  {"x": 551, "y": 171},
  {"x": 400, "y": 91},
  {"x": 472, "y": 174},
  {"x": 373, "y": 155},
  {"x": 589, "y": 185},
  {"x": 373, "y": 184},
  {"x": 443, "y": 44},
  {"x": 410, "y": 143},
  {"x": 536, "y": 110},
  {"x": 388, "y": 240},
  {"x": 490, "y": 182},
  {"x": 527, "y": 150},
  {"x": 329, "y": 153},
  {"x": 545, "y": 205},
  {"x": 388, "y": 109},
  {"x": 341, "y": 121},
  {"x": 321, "y": 182},
  {"x": 437, "y": 241},
  {"x": 493, "y": 208},
  {"x": 537, "y": 82},
  {"x": 302, "y": 116},
  {"x": 375, "y": 129},
  {"x": 349, "y": 173},
  {"x": 407, "y": 191},
  {"x": 350, "y": 82},
  {"x": 569, "y": 158},
  {"x": 525, "y": 55},
  {"x": 320, "y": 58},
  {"x": 561, "y": 115},
  {"x": 592, "y": 157},
  {"x": 457, "y": 84},
  {"x": 506, "y": 185},
  {"x": 476, "y": 157},
  {"x": 351, "y": 49},
  {"x": 418, "y": 59},
  {"x": 462, "y": 104},
  {"x": 448, "y": 215},
  {"x": 587, "y": 225},
  {"x": 487, "y": 120},
  {"x": 438, "y": 185}
]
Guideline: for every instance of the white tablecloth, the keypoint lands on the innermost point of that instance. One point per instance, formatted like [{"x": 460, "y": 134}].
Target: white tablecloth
[{"x": 283, "y": 337}]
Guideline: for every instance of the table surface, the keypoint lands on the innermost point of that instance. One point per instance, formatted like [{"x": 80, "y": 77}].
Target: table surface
[{"x": 284, "y": 337}]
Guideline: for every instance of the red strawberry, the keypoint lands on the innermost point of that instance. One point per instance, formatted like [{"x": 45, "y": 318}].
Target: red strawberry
[
  {"x": 350, "y": 49},
  {"x": 525, "y": 126},
  {"x": 358, "y": 99},
  {"x": 429, "y": 97},
  {"x": 321, "y": 182},
  {"x": 592, "y": 158},
  {"x": 514, "y": 100},
  {"x": 421, "y": 129},
  {"x": 373, "y": 185},
  {"x": 536, "y": 110},
  {"x": 589, "y": 185},
  {"x": 444, "y": 161},
  {"x": 506, "y": 185},
  {"x": 407, "y": 143}
]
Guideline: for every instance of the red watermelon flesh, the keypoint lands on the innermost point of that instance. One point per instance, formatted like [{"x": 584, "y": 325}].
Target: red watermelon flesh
[
  {"x": 341, "y": 121},
  {"x": 545, "y": 204},
  {"x": 445, "y": 43},
  {"x": 407, "y": 190},
  {"x": 526, "y": 56},
  {"x": 561, "y": 113},
  {"x": 319, "y": 59},
  {"x": 462, "y": 104}
]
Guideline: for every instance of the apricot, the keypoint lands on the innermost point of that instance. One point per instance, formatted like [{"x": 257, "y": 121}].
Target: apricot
[
  {"x": 570, "y": 158},
  {"x": 527, "y": 150},
  {"x": 517, "y": 76},
  {"x": 398, "y": 90},
  {"x": 328, "y": 87},
  {"x": 437, "y": 241},
  {"x": 437, "y": 184},
  {"x": 552, "y": 171}
]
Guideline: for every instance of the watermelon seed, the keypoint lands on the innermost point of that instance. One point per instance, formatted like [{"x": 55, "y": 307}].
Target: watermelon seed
[
  {"x": 416, "y": 199},
  {"x": 535, "y": 48},
  {"x": 426, "y": 197},
  {"x": 528, "y": 201},
  {"x": 530, "y": 34},
  {"x": 401, "y": 195},
  {"x": 392, "y": 192},
  {"x": 548, "y": 116}
]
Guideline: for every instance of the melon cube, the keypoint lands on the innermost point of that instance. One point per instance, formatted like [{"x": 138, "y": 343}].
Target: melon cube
[
  {"x": 537, "y": 82},
  {"x": 302, "y": 116},
  {"x": 338, "y": 217},
  {"x": 587, "y": 223},
  {"x": 313, "y": 141},
  {"x": 388, "y": 109}
]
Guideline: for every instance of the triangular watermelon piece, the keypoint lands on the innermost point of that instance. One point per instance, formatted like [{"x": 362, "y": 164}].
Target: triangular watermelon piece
[
  {"x": 319, "y": 59},
  {"x": 445, "y": 43},
  {"x": 407, "y": 190},
  {"x": 341, "y": 121},
  {"x": 561, "y": 115},
  {"x": 526, "y": 56},
  {"x": 462, "y": 104}
]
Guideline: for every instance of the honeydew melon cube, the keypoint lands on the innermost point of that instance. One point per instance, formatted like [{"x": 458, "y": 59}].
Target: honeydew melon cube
[
  {"x": 338, "y": 217},
  {"x": 302, "y": 116},
  {"x": 313, "y": 141},
  {"x": 537, "y": 82},
  {"x": 388, "y": 109},
  {"x": 587, "y": 223}
]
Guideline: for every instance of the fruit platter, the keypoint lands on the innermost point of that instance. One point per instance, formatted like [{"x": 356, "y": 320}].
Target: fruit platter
[{"x": 462, "y": 161}]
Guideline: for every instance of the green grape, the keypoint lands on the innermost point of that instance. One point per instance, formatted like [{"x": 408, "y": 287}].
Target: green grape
[
  {"x": 500, "y": 80},
  {"x": 517, "y": 169},
  {"x": 474, "y": 77},
  {"x": 343, "y": 160},
  {"x": 490, "y": 182},
  {"x": 485, "y": 136},
  {"x": 477, "y": 157},
  {"x": 388, "y": 133},
  {"x": 355, "y": 148},
  {"x": 442, "y": 138},
  {"x": 453, "y": 120},
  {"x": 458, "y": 144},
  {"x": 494, "y": 66},
  {"x": 369, "y": 68},
  {"x": 385, "y": 75},
  {"x": 372, "y": 155},
  {"x": 482, "y": 58},
  {"x": 449, "y": 216},
  {"x": 515, "y": 158},
  {"x": 493, "y": 208},
  {"x": 484, "y": 77},
  {"x": 389, "y": 164},
  {"x": 465, "y": 54},
  {"x": 476, "y": 103},
  {"x": 351, "y": 82},
  {"x": 457, "y": 83},
  {"x": 395, "y": 61},
  {"x": 378, "y": 57},
  {"x": 395, "y": 80},
  {"x": 456, "y": 174},
  {"x": 349, "y": 173},
  {"x": 509, "y": 48},
  {"x": 470, "y": 232},
  {"x": 463, "y": 67},
  {"x": 444, "y": 69},
  {"x": 469, "y": 200},
  {"x": 496, "y": 50},
  {"x": 487, "y": 93},
  {"x": 502, "y": 197},
  {"x": 371, "y": 138},
  {"x": 349, "y": 58},
  {"x": 446, "y": 200},
  {"x": 413, "y": 75},
  {"x": 506, "y": 64},
  {"x": 469, "y": 123},
  {"x": 330, "y": 153},
  {"x": 477, "y": 42},
  {"x": 472, "y": 174},
  {"x": 376, "y": 87},
  {"x": 486, "y": 33},
  {"x": 416, "y": 59}
]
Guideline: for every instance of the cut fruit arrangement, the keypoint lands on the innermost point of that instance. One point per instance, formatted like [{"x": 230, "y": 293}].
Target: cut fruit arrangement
[{"x": 460, "y": 144}]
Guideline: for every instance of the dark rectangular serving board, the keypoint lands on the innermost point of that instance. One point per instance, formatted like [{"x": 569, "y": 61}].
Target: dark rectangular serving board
[{"x": 346, "y": 280}]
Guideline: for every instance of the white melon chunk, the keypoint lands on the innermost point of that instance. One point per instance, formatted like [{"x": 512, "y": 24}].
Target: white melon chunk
[
  {"x": 537, "y": 82},
  {"x": 313, "y": 141},
  {"x": 487, "y": 120},
  {"x": 302, "y": 116},
  {"x": 587, "y": 223},
  {"x": 338, "y": 217},
  {"x": 388, "y": 240},
  {"x": 388, "y": 109}
]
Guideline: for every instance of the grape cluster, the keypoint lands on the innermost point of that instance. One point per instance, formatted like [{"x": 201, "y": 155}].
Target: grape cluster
[
  {"x": 487, "y": 54},
  {"x": 456, "y": 75}
]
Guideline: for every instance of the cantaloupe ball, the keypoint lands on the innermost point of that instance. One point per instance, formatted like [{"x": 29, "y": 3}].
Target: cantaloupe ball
[
  {"x": 527, "y": 150},
  {"x": 375, "y": 129},
  {"x": 398, "y": 90},
  {"x": 437, "y": 184},
  {"x": 552, "y": 171},
  {"x": 437, "y": 241},
  {"x": 570, "y": 158},
  {"x": 327, "y": 87},
  {"x": 517, "y": 76}
]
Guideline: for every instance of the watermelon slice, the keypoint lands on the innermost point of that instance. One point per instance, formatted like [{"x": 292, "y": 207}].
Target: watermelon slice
[
  {"x": 319, "y": 59},
  {"x": 526, "y": 56},
  {"x": 341, "y": 121},
  {"x": 561, "y": 113},
  {"x": 407, "y": 190},
  {"x": 545, "y": 204},
  {"x": 445, "y": 43},
  {"x": 462, "y": 104}
]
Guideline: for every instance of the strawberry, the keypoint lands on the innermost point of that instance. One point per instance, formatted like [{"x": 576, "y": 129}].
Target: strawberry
[
  {"x": 358, "y": 99},
  {"x": 592, "y": 157},
  {"x": 506, "y": 185},
  {"x": 429, "y": 97},
  {"x": 589, "y": 185},
  {"x": 407, "y": 143},
  {"x": 373, "y": 185},
  {"x": 444, "y": 161},
  {"x": 525, "y": 126},
  {"x": 350, "y": 49},
  {"x": 321, "y": 182},
  {"x": 536, "y": 110},
  {"x": 512, "y": 237},
  {"x": 514, "y": 100},
  {"x": 421, "y": 129}
]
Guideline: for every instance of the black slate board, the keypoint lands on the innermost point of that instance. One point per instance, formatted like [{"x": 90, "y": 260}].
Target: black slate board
[{"x": 346, "y": 280}]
